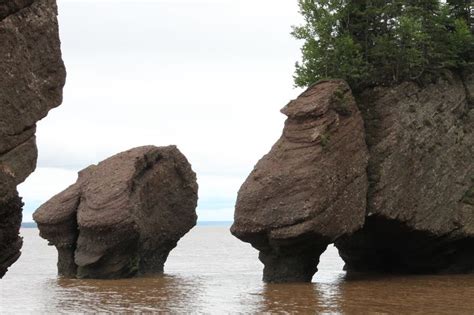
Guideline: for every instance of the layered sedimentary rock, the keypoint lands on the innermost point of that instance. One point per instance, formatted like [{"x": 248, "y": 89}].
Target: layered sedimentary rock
[
  {"x": 411, "y": 210},
  {"x": 311, "y": 188},
  {"x": 123, "y": 216},
  {"x": 31, "y": 82},
  {"x": 420, "y": 211}
]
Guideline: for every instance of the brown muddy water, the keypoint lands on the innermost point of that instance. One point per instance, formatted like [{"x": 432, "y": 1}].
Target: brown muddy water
[{"x": 212, "y": 272}]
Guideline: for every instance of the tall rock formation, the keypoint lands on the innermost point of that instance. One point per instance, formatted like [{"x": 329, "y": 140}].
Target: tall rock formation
[
  {"x": 31, "y": 82},
  {"x": 310, "y": 189},
  {"x": 123, "y": 216},
  {"x": 409, "y": 209}
]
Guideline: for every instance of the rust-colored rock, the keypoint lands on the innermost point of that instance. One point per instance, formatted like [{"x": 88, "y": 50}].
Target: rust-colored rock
[
  {"x": 31, "y": 82},
  {"x": 311, "y": 188},
  {"x": 123, "y": 216}
]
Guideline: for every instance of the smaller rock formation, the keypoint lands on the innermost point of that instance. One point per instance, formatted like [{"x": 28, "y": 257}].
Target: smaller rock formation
[
  {"x": 311, "y": 188},
  {"x": 123, "y": 216}
]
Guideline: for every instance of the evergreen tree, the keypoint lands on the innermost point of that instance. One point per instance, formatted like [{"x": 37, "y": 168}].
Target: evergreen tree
[
  {"x": 373, "y": 42},
  {"x": 463, "y": 9},
  {"x": 327, "y": 51}
]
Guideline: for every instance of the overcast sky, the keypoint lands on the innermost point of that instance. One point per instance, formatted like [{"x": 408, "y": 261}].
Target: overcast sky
[{"x": 207, "y": 75}]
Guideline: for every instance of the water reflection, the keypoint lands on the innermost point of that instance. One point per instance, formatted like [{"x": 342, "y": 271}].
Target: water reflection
[
  {"x": 162, "y": 293},
  {"x": 279, "y": 298},
  {"x": 373, "y": 294},
  {"x": 445, "y": 294},
  {"x": 320, "y": 297}
]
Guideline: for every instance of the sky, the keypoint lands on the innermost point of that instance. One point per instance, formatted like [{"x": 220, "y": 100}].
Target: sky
[{"x": 209, "y": 76}]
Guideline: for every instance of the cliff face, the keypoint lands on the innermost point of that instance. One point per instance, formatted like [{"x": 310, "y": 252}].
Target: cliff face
[
  {"x": 420, "y": 217},
  {"x": 123, "y": 216},
  {"x": 31, "y": 83},
  {"x": 410, "y": 208}
]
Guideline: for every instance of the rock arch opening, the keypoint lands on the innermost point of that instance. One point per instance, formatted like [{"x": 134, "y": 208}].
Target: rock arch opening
[{"x": 330, "y": 267}]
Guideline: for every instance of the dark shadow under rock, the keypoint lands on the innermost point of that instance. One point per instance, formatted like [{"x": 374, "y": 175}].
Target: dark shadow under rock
[
  {"x": 123, "y": 216},
  {"x": 388, "y": 246}
]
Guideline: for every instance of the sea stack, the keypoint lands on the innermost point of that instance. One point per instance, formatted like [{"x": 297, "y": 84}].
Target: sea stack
[
  {"x": 31, "y": 82},
  {"x": 389, "y": 181},
  {"x": 123, "y": 216},
  {"x": 311, "y": 188}
]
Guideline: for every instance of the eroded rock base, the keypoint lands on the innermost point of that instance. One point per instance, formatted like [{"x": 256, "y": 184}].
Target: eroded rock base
[
  {"x": 10, "y": 241},
  {"x": 388, "y": 246},
  {"x": 291, "y": 265},
  {"x": 66, "y": 266}
]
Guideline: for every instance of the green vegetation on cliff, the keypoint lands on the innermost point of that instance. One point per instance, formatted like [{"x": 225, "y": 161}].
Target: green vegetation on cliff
[{"x": 375, "y": 42}]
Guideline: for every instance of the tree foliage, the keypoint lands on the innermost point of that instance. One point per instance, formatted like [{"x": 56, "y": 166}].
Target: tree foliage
[{"x": 375, "y": 42}]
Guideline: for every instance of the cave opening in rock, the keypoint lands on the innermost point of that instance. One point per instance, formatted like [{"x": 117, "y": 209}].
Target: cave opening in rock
[{"x": 390, "y": 246}]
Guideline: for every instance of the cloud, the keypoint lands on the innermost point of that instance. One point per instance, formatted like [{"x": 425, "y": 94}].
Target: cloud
[
  {"x": 43, "y": 184},
  {"x": 208, "y": 76}
]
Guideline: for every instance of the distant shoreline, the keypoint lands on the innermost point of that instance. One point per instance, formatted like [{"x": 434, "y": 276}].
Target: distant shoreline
[{"x": 32, "y": 225}]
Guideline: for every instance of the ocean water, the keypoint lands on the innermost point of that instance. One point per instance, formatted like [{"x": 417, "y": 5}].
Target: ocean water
[{"x": 211, "y": 272}]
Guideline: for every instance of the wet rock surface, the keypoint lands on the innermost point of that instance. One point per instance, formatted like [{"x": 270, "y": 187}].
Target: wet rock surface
[
  {"x": 310, "y": 189},
  {"x": 123, "y": 216},
  {"x": 31, "y": 83}
]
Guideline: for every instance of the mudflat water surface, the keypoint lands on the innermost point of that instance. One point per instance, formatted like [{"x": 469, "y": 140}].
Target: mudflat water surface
[{"x": 212, "y": 272}]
